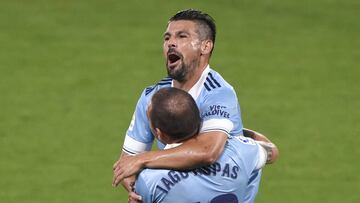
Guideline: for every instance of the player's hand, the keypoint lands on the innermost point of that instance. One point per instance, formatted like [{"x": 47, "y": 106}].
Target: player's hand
[
  {"x": 128, "y": 184},
  {"x": 125, "y": 167},
  {"x": 134, "y": 198}
]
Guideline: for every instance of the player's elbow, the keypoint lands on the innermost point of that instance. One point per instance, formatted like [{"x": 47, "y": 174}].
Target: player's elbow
[
  {"x": 209, "y": 156},
  {"x": 210, "y": 160},
  {"x": 209, "y": 147},
  {"x": 274, "y": 155}
]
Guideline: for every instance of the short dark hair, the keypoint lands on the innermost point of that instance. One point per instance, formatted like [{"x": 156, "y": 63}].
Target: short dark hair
[
  {"x": 175, "y": 113},
  {"x": 204, "y": 20}
]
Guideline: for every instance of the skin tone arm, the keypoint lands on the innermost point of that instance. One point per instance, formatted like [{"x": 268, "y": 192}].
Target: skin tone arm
[
  {"x": 271, "y": 149},
  {"x": 201, "y": 150}
]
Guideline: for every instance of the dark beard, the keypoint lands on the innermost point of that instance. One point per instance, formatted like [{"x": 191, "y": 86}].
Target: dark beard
[
  {"x": 181, "y": 74},
  {"x": 178, "y": 74}
]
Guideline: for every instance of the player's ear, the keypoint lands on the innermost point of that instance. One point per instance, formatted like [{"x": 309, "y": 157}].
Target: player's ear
[
  {"x": 161, "y": 135},
  {"x": 206, "y": 47},
  {"x": 158, "y": 133}
]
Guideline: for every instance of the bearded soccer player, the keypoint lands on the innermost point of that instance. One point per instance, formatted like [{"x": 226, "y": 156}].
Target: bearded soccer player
[{"x": 188, "y": 44}]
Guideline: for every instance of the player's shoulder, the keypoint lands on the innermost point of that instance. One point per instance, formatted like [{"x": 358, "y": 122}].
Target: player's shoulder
[
  {"x": 150, "y": 90},
  {"x": 215, "y": 84},
  {"x": 216, "y": 87}
]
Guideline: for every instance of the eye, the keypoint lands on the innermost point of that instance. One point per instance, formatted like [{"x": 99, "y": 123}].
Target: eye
[
  {"x": 183, "y": 36},
  {"x": 166, "y": 38}
]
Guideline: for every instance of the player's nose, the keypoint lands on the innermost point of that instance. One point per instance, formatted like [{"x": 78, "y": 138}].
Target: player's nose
[{"x": 171, "y": 43}]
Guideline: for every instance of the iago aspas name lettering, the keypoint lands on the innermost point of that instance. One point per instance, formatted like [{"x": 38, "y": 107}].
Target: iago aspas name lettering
[{"x": 216, "y": 169}]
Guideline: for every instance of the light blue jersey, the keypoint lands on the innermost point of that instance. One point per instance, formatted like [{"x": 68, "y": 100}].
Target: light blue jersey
[
  {"x": 217, "y": 102},
  {"x": 224, "y": 181}
]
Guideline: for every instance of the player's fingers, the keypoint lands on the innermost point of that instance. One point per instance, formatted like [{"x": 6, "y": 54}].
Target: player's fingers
[
  {"x": 114, "y": 177},
  {"x": 134, "y": 197},
  {"x": 134, "y": 201},
  {"x": 118, "y": 179},
  {"x": 127, "y": 186},
  {"x": 116, "y": 164},
  {"x": 117, "y": 171},
  {"x": 113, "y": 181}
]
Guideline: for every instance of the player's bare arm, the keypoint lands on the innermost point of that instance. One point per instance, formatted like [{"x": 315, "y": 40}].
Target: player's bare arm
[
  {"x": 201, "y": 150},
  {"x": 271, "y": 150}
]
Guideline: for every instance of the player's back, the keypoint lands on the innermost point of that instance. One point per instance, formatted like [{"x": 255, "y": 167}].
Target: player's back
[{"x": 224, "y": 181}]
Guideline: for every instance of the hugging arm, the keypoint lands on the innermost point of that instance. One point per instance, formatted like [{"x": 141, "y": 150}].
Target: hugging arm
[
  {"x": 201, "y": 150},
  {"x": 271, "y": 150}
]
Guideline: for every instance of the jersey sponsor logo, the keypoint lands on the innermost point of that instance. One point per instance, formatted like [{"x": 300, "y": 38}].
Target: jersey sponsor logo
[
  {"x": 211, "y": 83},
  {"x": 216, "y": 110},
  {"x": 174, "y": 177}
]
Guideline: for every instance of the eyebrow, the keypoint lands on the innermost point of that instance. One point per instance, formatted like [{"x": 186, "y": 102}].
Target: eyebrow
[
  {"x": 166, "y": 34},
  {"x": 182, "y": 32},
  {"x": 177, "y": 33}
]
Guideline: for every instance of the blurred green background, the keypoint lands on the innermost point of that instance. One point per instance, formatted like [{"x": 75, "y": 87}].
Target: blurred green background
[{"x": 72, "y": 71}]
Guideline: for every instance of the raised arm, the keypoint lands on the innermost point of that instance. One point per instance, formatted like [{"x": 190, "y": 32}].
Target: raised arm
[{"x": 270, "y": 148}]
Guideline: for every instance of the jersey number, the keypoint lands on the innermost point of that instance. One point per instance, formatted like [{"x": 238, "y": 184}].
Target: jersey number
[{"x": 228, "y": 198}]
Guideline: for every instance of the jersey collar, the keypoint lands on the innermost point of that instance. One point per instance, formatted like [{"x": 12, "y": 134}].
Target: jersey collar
[
  {"x": 169, "y": 146},
  {"x": 196, "y": 89}
]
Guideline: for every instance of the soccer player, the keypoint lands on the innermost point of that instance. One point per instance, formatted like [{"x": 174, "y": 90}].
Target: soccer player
[
  {"x": 174, "y": 118},
  {"x": 188, "y": 44}
]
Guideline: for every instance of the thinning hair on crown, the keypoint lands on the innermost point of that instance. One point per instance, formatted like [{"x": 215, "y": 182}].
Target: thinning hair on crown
[{"x": 175, "y": 113}]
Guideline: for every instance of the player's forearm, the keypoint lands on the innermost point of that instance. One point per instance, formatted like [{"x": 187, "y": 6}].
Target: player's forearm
[
  {"x": 270, "y": 148},
  {"x": 255, "y": 135},
  {"x": 196, "y": 152},
  {"x": 171, "y": 159}
]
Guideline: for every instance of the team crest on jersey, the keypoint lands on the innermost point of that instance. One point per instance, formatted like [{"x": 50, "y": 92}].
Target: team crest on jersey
[
  {"x": 245, "y": 140},
  {"x": 216, "y": 110}
]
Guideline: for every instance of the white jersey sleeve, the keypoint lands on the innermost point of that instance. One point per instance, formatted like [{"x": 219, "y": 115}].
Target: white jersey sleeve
[
  {"x": 138, "y": 136},
  {"x": 262, "y": 157}
]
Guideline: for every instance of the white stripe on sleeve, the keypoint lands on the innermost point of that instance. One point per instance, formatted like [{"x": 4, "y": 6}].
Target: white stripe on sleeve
[
  {"x": 217, "y": 124},
  {"x": 261, "y": 158},
  {"x": 132, "y": 146}
]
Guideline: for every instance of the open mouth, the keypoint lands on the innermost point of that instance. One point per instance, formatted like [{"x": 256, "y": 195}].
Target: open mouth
[{"x": 173, "y": 58}]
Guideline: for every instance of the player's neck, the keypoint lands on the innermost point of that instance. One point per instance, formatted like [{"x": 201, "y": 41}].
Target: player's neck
[{"x": 193, "y": 78}]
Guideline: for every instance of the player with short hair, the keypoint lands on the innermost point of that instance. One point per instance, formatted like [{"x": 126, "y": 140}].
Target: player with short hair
[
  {"x": 174, "y": 118},
  {"x": 188, "y": 44}
]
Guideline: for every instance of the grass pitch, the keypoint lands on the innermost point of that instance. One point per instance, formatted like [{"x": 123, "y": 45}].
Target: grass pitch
[{"x": 72, "y": 71}]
